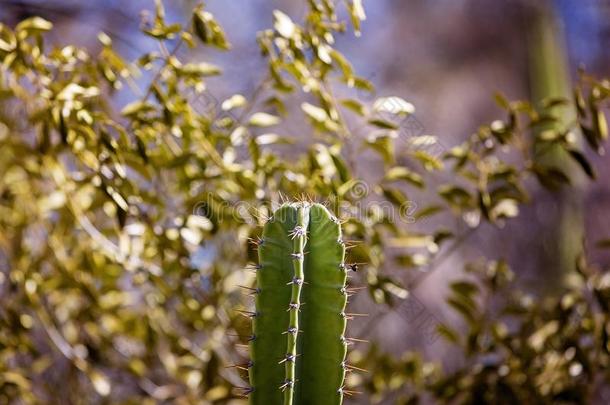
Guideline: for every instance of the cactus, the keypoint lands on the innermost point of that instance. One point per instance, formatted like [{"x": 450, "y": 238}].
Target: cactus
[{"x": 298, "y": 346}]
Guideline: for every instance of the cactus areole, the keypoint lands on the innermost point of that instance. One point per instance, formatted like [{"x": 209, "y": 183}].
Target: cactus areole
[{"x": 298, "y": 346}]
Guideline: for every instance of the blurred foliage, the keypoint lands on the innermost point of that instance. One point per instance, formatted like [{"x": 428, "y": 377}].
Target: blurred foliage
[
  {"x": 554, "y": 350},
  {"x": 124, "y": 235}
]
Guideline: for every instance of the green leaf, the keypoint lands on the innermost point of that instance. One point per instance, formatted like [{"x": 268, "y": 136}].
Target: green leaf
[
  {"x": 464, "y": 307},
  {"x": 505, "y": 208},
  {"x": 422, "y": 141},
  {"x": 381, "y": 123},
  {"x": 34, "y": 24},
  {"x": 394, "y": 195},
  {"x": 104, "y": 39},
  {"x": 464, "y": 288},
  {"x": 402, "y": 173},
  {"x": 261, "y": 119},
  {"x": 600, "y": 124},
  {"x": 456, "y": 195},
  {"x": 591, "y": 137},
  {"x": 319, "y": 116},
  {"x": 428, "y": 211},
  {"x": 200, "y": 27},
  {"x": 101, "y": 383},
  {"x": 383, "y": 143},
  {"x": 323, "y": 52},
  {"x": 357, "y": 14},
  {"x": 73, "y": 91},
  {"x": 165, "y": 32},
  {"x": 200, "y": 69},
  {"x": 363, "y": 84},
  {"x": 393, "y": 105},
  {"x": 315, "y": 113},
  {"x": 429, "y": 162},
  {"x": 269, "y": 139},
  {"x": 413, "y": 260},
  {"x": 8, "y": 42},
  {"x": 448, "y": 333},
  {"x": 355, "y": 105},
  {"x": 283, "y": 24},
  {"x": 346, "y": 67},
  {"x": 442, "y": 235},
  {"x": 136, "y": 108},
  {"x": 580, "y": 158},
  {"x": 579, "y": 100},
  {"x": 235, "y": 101},
  {"x": 207, "y": 29},
  {"x": 501, "y": 100},
  {"x": 342, "y": 168},
  {"x": 349, "y": 186},
  {"x": 550, "y": 177}
]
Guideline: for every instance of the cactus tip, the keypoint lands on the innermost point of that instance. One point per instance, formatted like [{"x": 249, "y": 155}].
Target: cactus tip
[{"x": 298, "y": 231}]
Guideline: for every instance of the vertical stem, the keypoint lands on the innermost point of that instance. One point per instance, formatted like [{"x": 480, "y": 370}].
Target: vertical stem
[
  {"x": 298, "y": 235},
  {"x": 549, "y": 77}
]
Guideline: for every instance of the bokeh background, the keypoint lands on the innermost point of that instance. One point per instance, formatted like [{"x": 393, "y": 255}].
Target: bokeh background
[{"x": 447, "y": 57}]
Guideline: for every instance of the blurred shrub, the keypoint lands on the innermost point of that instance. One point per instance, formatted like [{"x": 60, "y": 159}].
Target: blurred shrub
[
  {"x": 124, "y": 234},
  {"x": 525, "y": 350}
]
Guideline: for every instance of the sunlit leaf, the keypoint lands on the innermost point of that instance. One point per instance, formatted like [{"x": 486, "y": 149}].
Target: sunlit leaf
[{"x": 261, "y": 119}]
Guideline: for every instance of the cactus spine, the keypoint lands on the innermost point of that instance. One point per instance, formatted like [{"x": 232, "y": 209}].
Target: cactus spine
[{"x": 298, "y": 345}]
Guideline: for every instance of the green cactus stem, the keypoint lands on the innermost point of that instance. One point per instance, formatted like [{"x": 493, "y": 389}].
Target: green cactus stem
[{"x": 298, "y": 346}]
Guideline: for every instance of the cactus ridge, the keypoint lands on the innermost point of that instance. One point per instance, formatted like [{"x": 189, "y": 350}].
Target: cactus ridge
[{"x": 299, "y": 348}]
